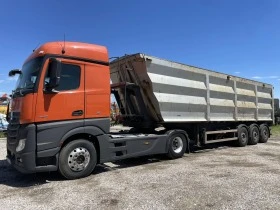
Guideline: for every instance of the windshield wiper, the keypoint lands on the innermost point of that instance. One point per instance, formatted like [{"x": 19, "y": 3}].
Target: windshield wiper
[{"x": 22, "y": 91}]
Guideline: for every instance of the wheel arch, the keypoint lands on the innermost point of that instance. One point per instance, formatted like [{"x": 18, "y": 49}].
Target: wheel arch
[{"x": 89, "y": 133}]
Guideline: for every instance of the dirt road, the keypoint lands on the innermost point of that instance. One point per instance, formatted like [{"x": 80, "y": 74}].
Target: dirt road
[{"x": 221, "y": 177}]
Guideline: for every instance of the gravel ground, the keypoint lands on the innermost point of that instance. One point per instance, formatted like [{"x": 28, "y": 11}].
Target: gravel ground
[{"x": 217, "y": 177}]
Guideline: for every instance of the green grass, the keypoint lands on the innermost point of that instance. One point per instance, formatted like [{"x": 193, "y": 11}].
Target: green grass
[
  {"x": 2, "y": 135},
  {"x": 275, "y": 130}
]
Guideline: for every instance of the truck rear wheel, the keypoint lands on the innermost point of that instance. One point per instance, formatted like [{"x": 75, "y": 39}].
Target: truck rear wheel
[
  {"x": 177, "y": 145},
  {"x": 77, "y": 159},
  {"x": 264, "y": 133},
  {"x": 254, "y": 135},
  {"x": 242, "y": 137}
]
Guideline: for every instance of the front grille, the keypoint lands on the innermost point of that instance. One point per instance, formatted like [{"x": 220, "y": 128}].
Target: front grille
[
  {"x": 13, "y": 127},
  {"x": 14, "y": 118},
  {"x": 12, "y": 133}
]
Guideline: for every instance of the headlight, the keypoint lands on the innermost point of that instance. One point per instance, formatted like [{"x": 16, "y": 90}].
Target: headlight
[{"x": 21, "y": 145}]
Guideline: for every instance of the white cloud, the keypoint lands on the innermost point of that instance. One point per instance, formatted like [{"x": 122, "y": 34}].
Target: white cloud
[
  {"x": 12, "y": 78},
  {"x": 267, "y": 77},
  {"x": 237, "y": 72},
  {"x": 1, "y": 81}
]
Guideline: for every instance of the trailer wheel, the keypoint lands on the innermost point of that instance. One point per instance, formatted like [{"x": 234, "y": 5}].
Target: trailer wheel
[
  {"x": 254, "y": 135},
  {"x": 177, "y": 145},
  {"x": 242, "y": 137},
  {"x": 264, "y": 133},
  {"x": 77, "y": 159}
]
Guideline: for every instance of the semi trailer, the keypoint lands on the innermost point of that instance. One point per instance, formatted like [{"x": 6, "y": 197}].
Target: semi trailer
[{"x": 59, "y": 114}]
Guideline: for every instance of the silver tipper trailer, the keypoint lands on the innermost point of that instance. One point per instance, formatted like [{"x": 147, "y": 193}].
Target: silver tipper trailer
[{"x": 210, "y": 106}]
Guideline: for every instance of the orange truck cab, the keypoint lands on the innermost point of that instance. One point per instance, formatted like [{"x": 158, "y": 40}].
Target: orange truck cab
[{"x": 59, "y": 115}]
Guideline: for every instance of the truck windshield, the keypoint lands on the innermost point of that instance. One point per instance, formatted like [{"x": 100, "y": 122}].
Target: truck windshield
[{"x": 29, "y": 75}]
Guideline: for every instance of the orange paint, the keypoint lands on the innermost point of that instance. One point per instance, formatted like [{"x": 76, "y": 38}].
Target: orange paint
[
  {"x": 75, "y": 49},
  {"x": 92, "y": 96},
  {"x": 59, "y": 106},
  {"x": 97, "y": 91},
  {"x": 24, "y": 105}
]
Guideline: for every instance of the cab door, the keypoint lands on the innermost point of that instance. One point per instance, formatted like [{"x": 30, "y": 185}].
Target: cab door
[{"x": 67, "y": 103}]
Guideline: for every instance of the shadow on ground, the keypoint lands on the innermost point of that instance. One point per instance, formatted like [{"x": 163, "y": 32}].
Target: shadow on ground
[{"x": 11, "y": 177}]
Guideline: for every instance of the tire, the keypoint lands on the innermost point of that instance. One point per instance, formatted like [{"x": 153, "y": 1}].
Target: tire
[
  {"x": 264, "y": 133},
  {"x": 254, "y": 135},
  {"x": 177, "y": 144},
  {"x": 242, "y": 137},
  {"x": 77, "y": 159}
]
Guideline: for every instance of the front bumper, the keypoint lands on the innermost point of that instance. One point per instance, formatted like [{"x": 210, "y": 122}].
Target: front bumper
[
  {"x": 28, "y": 160},
  {"x": 25, "y": 163}
]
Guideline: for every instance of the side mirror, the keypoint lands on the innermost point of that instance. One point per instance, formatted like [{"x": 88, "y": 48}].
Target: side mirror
[
  {"x": 14, "y": 72},
  {"x": 54, "y": 74}
]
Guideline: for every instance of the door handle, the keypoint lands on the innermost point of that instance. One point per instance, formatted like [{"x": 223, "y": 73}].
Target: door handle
[{"x": 77, "y": 113}]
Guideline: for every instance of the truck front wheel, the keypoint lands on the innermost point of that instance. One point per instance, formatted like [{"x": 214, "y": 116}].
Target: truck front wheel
[{"x": 77, "y": 159}]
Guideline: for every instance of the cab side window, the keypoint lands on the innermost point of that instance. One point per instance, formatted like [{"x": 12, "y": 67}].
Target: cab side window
[{"x": 69, "y": 79}]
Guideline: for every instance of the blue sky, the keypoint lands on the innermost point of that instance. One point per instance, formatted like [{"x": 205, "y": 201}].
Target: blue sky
[{"x": 235, "y": 37}]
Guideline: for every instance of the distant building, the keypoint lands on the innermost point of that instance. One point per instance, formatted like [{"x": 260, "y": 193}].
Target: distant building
[{"x": 4, "y": 100}]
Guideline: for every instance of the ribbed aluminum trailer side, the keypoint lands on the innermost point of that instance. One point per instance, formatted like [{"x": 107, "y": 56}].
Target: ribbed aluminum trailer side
[{"x": 158, "y": 91}]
